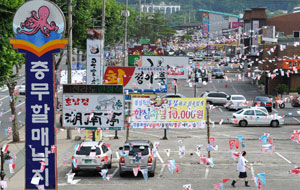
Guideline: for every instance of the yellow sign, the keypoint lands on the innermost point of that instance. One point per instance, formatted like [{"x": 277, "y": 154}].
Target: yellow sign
[
  {"x": 89, "y": 135},
  {"x": 174, "y": 110}
]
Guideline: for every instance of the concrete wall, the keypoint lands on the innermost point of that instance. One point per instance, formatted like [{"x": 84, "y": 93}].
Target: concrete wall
[{"x": 218, "y": 22}]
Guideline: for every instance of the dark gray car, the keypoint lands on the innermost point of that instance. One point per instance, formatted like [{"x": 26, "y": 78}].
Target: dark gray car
[
  {"x": 137, "y": 152},
  {"x": 218, "y": 73}
]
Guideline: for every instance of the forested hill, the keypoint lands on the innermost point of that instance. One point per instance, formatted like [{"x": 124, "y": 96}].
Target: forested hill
[{"x": 229, "y": 6}]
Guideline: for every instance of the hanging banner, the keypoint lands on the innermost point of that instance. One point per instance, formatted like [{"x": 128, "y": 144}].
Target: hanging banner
[
  {"x": 38, "y": 27},
  {"x": 93, "y": 52},
  {"x": 177, "y": 66},
  {"x": 93, "y": 106},
  {"x": 145, "y": 49},
  {"x": 138, "y": 79},
  {"x": 168, "y": 113}
]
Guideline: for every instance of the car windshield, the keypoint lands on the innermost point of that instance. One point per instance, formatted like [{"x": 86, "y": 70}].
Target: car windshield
[
  {"x": 136, "y": 149},
  {"x": 238, "y": 98},
  {"x": 240, "y": 111},
  {"x": 217, "y": 70},
  {"x": 262, "y": 99},
  {"x": 85, "y": 150}
]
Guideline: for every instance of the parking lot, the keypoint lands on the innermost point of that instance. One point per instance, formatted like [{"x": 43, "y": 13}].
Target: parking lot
[{"x": 275, "y": 165}]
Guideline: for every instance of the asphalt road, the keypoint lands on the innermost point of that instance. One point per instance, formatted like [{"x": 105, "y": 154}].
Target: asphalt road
[{"x": 274, "y": 165}]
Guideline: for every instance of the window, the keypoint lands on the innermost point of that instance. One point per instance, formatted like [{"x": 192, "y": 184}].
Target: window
[
  {"x": 85, "y": 150},
  {"x": 260, "y": 113},
  {"x": 212, "y": 95},
  {"x": 240, "y": 111},
  {"x": 221, "y": 95},
  {"x": 249, "y": 112},
  {"x": 136, "y": 149},
  {"x": 104, "y": 148},
  {"x": 238, "y": 98}
]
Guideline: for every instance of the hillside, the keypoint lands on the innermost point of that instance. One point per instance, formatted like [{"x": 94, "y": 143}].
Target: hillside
[{"x": 230, "y": 6}]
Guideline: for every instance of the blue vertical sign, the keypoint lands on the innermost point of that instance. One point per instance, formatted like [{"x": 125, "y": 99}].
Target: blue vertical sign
[
  {"x": 39, "y": 37},
  {"x": 205, "y": 22}
]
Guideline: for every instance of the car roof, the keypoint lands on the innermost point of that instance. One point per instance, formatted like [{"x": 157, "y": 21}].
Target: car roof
[
  {"x": 137, "y": 142},
  {"x": 91, "y": 143},
  {"x": 172, "y": 95},
  {"x": 237, "y": 95}
]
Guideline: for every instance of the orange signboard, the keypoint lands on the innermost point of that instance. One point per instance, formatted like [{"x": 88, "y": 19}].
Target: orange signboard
[{"x": 290, "y": 64}]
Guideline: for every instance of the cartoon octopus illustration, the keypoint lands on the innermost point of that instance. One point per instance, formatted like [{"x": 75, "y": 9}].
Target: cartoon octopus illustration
[{"x": 37, "y": 23}]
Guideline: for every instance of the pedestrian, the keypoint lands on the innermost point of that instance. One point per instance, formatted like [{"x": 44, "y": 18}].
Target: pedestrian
[{"x": 241, "y": 167}]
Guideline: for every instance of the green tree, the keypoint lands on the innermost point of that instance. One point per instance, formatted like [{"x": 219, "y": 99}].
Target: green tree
[
  {"x": 281, "y": 88},
  {"x": 10, "y": 60}
]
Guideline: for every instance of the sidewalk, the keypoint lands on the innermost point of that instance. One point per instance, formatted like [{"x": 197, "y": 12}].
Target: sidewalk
[{"x": 64, "y": 150}]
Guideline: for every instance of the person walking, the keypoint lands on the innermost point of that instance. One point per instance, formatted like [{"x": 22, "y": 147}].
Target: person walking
[{"x": 241, "y": 167}]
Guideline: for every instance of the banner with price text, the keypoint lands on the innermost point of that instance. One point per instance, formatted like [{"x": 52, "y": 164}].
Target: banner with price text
[{"x": 168, "y": 113}]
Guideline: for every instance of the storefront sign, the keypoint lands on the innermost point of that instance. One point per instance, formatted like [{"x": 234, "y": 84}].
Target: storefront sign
[
  {"x": 138, "y": 79},
  {"x": 93, "y": 107},
  {"x": 168, "y": 113},
  {"x": 177, "y": 66},
  {"x": 38, "y": 27}
]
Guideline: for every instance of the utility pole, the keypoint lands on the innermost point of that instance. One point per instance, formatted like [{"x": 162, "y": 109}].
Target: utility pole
[
  {"x": 69, "y": 134},
  {"x": 140, "y": 10},
  {"x": 102, "y": 42},
  {"x": 125, "y": 35}
]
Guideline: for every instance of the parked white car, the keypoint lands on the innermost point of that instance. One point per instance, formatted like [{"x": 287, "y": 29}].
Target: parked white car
[
  {"x": 236, "y": 102},
  {"x": 22, "y": 89},
  {"x": 92, "y": 155},
  {"x": 255, "y": 116}
]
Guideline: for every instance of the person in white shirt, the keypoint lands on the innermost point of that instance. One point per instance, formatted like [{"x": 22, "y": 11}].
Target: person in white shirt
[{"x": 241, "y": 167}]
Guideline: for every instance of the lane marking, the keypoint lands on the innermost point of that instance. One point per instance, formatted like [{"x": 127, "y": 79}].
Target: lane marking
[
  {"x": 158, "y": 155},
  {"x": 146, "y": 134},
  {"x": 206, "y": 172},
  {"x": 275, "y": 110},
  {"x": 234, "y": 89},
  {"x": 117, "y": 154},
  {"x": 16, "y": 107},
  {"x": 114, "y": 173},
  {"x": 283, "y": 157},
  {"x": 161, "y": 170},
  {"x": 296, "y": 119},
  {"x": 4, "y": 98},
  {"x": 220, "y": 109},
  {"x": 214, "y": 87}
]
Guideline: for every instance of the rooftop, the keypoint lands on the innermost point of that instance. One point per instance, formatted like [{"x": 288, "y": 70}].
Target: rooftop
[{"x": 219, "y": 13}]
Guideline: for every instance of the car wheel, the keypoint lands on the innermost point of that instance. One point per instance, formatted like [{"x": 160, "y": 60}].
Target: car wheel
[
  {"x": 282, "y": 105},
  {"x": 122, "y": 174},
  {"x": 274, "y": 123},
  {"x": 152, "y": 173},
  {"x": 293, "y": 105},
  {"x": 74, "y": 171},
  {"x": 209, "y": 102},
  {"x": 243, "y": 123},
  {"x": 109, "y": 165}
]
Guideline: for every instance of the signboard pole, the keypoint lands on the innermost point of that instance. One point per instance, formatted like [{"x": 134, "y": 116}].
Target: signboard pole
[
  {"x": 69, "y": 132},
  {"x": 195, "y": 85},
  {"x": 208, "y": 130}
]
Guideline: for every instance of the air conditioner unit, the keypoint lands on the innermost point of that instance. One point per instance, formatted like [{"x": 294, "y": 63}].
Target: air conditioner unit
[{"x": 296, "y": 34}]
